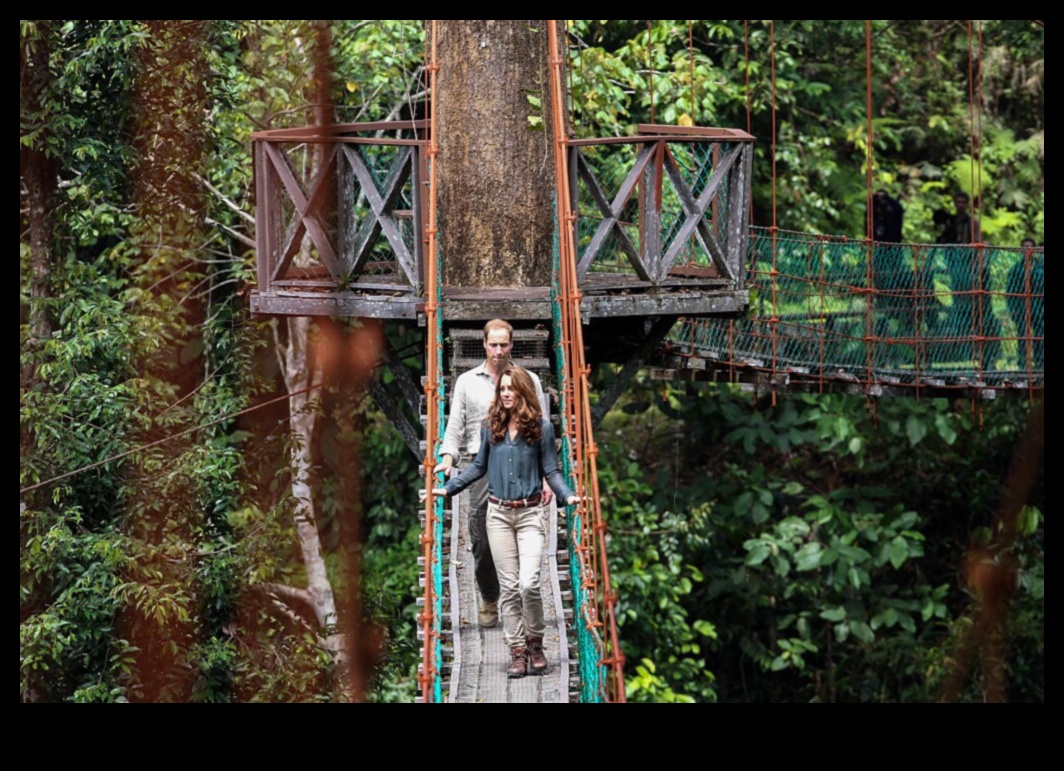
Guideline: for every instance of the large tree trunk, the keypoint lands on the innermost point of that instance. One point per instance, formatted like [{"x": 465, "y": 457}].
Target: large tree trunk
[
  {"x": 170, "y": 98},
  {"x": 38, "y": 171},
  {"x": 302, "y": 371},
  {"x": 496, "y": 205}
]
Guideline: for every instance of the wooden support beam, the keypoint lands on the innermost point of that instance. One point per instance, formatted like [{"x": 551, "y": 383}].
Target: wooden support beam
[
  {"x": 738, "y": 226},
  {"x": 612, "y": 214},
  {"x": 390, "y": 407},
  {"x": 339, "y": 129},
  {"x": 403, "y": 379},
  {"x": 702, "y": 133},
  {"x": 382, "y": 203},
  {"x": 266, "y": 224},
  {"x": 657, "y": 331},
  {"x": 307, "y": 209},
  {"x": 337, "y": 305},
  {"x": 697, "y": 217}
]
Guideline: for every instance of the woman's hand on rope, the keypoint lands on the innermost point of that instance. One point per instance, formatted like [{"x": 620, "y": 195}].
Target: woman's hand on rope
[
  {"x": 574, "y": 500},
  {"x": 438, "y": 492}
]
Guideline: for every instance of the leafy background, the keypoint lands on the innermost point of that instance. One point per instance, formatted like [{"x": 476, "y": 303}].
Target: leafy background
[{"x": 807, "y": 550}]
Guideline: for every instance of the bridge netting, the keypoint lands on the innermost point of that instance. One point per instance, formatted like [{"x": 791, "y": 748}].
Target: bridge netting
[{"x": 905, "y": 315}]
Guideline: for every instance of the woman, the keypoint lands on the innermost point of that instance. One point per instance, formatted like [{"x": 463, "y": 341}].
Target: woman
[{"x": 517, "y": 452}]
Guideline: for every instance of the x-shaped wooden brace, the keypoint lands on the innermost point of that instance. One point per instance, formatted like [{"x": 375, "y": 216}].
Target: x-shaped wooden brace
[
  {"x": 695, "y": 210},
  {"x": 307, "y": 220},
  {"x": 382, "y": 202},
  {"x": 612, "y": 213}
]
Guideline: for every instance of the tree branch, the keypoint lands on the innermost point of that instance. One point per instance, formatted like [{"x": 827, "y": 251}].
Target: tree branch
[
  {"x": 279, "y": 350},
  {"x": 291, "y": 615},
  {"x": 288, "y": 594},
  {"x": 238, "y": 236},
  {"x": 225, "y": 199}
]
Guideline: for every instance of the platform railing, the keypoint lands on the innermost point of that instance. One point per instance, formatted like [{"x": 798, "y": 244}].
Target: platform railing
[
  {"x": 341, "y": 213},
  {"x": 668, "y": 206},
  {"x": 340, "y": 208}
]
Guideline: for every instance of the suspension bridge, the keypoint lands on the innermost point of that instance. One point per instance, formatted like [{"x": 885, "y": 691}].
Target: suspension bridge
[{"x": 656, "y": 265}]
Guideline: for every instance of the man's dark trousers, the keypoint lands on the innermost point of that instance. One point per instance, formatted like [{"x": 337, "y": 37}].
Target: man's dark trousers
[{"x": 484, "y": 565}]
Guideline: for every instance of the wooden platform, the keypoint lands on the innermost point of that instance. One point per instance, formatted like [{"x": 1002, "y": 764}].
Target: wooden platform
[
  {"x": 478, "y": 670},
  {"x": 759, "y": 377}
]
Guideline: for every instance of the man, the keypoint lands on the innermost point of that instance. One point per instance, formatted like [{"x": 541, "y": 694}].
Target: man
[
  {"x": 892, "y": 279},
  {"x": 473, "y": 394},
  {"x": 972, "y": 315},
  {"x": 1026, "y": 300},
  {"x": 962, "y": 227},
  {"x": 888, "y": 219}
]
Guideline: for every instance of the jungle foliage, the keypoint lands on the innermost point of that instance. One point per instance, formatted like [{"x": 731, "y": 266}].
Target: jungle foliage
[{"x": 805, "y": 550}]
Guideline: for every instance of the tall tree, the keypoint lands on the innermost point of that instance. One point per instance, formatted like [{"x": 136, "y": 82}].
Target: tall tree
[
  {"x": 496, "y": 152},
  {"x": 37, "y": 166}
]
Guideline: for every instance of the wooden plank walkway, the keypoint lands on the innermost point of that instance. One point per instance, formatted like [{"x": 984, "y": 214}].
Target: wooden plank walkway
[{"x": 480, "y": 658}]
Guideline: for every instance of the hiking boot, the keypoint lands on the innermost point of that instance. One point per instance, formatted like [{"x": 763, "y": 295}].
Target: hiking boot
[
  {"x": 489, "y": 615},
  {"x": 519, "y": 664},
  {"x": 537, "y": 659}
]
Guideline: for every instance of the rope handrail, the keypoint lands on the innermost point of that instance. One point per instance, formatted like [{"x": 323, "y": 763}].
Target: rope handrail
[
  {"x": 603, "y": 679},
  {"x": 432, "y": 539}
]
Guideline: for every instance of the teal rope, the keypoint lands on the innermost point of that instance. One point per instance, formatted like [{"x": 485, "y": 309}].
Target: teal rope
[
  {"x": 592, "y": 674},
  {"x": 437, "y": 568}
]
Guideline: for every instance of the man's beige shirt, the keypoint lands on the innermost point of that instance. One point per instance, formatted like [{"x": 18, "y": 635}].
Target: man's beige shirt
[{"x": 473, "y": 394}]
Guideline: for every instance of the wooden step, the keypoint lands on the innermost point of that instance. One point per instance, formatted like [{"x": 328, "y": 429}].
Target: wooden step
[
  {"x": 520, "y": 335},
  {"x": 535, "y": 365},
  {"x": 447, "y": 634}
]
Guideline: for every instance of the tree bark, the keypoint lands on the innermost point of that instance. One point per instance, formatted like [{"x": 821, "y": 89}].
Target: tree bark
[
  {"x": 496, "y": 153},
  {"x": 39, "y": 173},
  {"x": 299, "y": 375},
  {"x": 302, "y": 371},
  {"x": 170, "y": 142}
]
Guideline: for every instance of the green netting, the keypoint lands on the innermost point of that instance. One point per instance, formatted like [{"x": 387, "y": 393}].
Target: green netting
[
  {"x": 886, "y": 312},
  {"x": 591, "y": 650}
]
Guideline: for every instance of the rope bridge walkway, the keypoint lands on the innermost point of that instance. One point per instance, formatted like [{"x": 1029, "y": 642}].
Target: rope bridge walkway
[{"x": 829, "y": 313}]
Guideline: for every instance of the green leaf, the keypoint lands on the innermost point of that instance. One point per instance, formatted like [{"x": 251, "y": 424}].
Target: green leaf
[
  {"x": 863, "y": 632},
  {"x": 946, "y": 430},
  {"x": 916, "y": 430},
  {"x": 705, "y": 629},
  {"x": 1029, "y": 522},
  {"x": 835, "y": 616},
  {"x": 808, "y": 558},
  {"x": 759, "y": 551},
  {"x": 899, "y": 552}
]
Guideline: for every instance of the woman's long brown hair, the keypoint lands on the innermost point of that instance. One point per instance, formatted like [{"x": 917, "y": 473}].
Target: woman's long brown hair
[{"x": 526, "y": 412}]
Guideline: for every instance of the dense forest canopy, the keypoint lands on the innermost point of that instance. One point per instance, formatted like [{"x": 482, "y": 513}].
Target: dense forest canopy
[{"x": 801, "y": 549}]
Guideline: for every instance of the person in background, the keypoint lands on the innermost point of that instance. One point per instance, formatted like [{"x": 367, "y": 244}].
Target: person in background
[
  {"x": 888, "y": 219},
  {"x": 1026, "y": 300},
  {"x": 473, "y": 394},
  {"x": 891, "y": 279},
  {"x": 972, "y": 315},
  {"x": 517, "y": 453}
]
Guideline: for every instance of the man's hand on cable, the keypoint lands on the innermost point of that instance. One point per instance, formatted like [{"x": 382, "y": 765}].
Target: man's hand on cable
[{"x": 445, "y": 466}]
